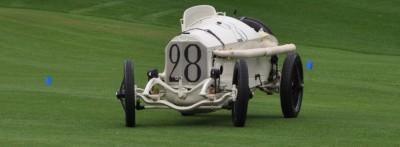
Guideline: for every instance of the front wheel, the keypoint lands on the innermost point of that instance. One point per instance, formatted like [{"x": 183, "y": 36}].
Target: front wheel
[
  {"x": 241, "y": 80},
  {"x": 127, "y": 94},
  {"x": 291, "y": 88}
]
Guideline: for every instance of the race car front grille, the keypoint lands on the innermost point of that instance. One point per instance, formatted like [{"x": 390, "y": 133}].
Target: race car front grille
[{"x": 186, "y": 60}]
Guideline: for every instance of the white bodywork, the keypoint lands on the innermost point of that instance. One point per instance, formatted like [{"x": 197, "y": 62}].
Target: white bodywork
[{"x": 209, "y": 40}]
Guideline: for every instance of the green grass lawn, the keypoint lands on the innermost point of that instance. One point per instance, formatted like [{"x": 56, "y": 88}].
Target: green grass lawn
[{"x": 351, "y": 96}]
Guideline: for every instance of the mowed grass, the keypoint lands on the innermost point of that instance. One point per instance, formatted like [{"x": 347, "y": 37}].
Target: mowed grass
[{"x": 351, "y": 96}]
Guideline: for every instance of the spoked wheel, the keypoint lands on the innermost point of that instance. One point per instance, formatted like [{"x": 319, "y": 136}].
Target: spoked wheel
[
  {"x": 127, "y": 94},
  {"x": 292, "y": 83},
  {"x": 241, "y": 80}
]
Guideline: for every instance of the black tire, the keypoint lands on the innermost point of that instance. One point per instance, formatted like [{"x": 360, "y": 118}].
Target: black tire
[
  {"x": 129, "y": 89},
  {"x": 291, "y": 88},
  {"x": 241, "y": 80},
  {"x": 256, "y": 24}
]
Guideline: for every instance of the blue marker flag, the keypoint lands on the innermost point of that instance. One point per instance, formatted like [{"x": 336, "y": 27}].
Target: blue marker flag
[
  {"x": 310, "y": 65},
  {"x": 48, "y": 80}
]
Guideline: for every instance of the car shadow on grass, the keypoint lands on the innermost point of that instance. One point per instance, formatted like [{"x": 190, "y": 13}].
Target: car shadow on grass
[{"x": 207, "y": 120}]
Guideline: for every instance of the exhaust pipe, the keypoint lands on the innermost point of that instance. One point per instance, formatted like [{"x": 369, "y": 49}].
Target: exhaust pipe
[{"x": 256, "y": 52}]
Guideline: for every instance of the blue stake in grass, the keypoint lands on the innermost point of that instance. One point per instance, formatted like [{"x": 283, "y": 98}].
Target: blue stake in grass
[
  {"x": 310, "y": 65},
  {"x": 48, "y": 81}
]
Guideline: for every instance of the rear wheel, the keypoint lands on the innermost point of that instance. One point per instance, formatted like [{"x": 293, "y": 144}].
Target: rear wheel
[
  {"x": 129, "y": 94},
  {"x": 291, "y": 88},
  {"x": 241, "y": 80},
  {"x": 256, "y": 24}
]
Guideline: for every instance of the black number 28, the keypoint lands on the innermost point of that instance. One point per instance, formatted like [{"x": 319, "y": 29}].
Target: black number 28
[{"x": 191, "y": 62}]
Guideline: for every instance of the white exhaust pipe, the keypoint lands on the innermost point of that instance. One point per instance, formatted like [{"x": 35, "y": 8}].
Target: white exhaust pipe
[{"x": 256, "y": 52}]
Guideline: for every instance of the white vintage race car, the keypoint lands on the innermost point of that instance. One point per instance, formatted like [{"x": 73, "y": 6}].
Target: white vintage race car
[{"x": 217, "y": 62}]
